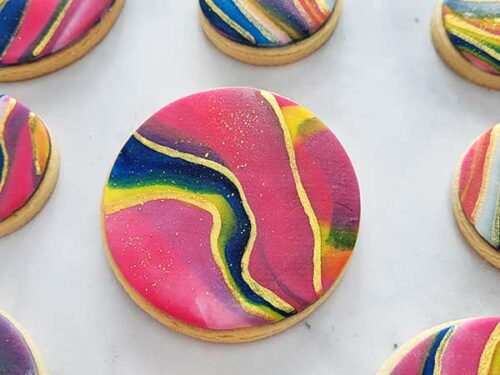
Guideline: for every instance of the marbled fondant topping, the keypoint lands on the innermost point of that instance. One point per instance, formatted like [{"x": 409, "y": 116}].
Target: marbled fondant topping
[
  {"x": 24, "y": 153},
  {"x": 471, "y": 347},
  {"x": 232, "y": 208},
  {"x": 33, "y": 29},
  {"x": 479, "y": 186},
  {"x": 267, "y": 23},
  {"x": 473, "y": 27},
  {"x": 15, "y": 355}
]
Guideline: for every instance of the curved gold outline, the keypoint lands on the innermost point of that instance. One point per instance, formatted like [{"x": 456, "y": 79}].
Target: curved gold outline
[
  {"x": 178, "y": 194},
  {"x": 486, "y": 363},
  {"x": 265, "y": 293},
  {"x": 301, "y": 192},
  {"x": 5, "y": 171}
]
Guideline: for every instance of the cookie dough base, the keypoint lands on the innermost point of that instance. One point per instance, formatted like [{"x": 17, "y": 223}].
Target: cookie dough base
[
  {"x": 454, "y": 59},
  {"x": 392, "y": 362},
  {"x": 37, "y": 201},
  {"x": 469, "y": 232},
  {"x": 273, "y": 56},
  {"x": 240, "y": 335},
  {"x": 66, "y": 56}
]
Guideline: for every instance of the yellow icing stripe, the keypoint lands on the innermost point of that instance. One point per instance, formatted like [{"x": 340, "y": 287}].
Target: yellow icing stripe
[
  {"x": 125, "y": 198},
  {"x": 265, "y": 293},
  {"x": 490, "y": 359},
  {"x": 476, "y": 213},
  {"x": 46, "y": 39},
  {"x": 229, "y": 21},
  {"x": 438, "y": 361},
  {"x": 306, "y": 204},
  {"x": 5, "y": 170},
  {"x": 462, "y": 26}
]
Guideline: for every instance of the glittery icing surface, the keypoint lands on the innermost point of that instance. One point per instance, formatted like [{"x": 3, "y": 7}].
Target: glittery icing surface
[
  {"x": 24, "y": 154},
  {"x": 267, "y": 23},
  {"x": 468, "y": 348},
  {"x": 479, "y": 186},
  {"x": 33, "y": 29},
  {"x": 473, "y": 27},
  {"x": 232, "y": 208},
  {"x": 15, "y": 355}
]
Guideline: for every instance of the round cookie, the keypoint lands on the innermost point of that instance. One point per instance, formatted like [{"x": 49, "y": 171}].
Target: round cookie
[
  {"x": 38, "y": 37},
  {"x": 269, "y": 32},
  {"x": 466, "y": 34},
  {"x": 464, "y": 347},
  {"x": 29, "y": 165},
  {"x": 18, "y": 355},
  {"x": 231, "y": 214},
  {"x": 475, "y": 195}
]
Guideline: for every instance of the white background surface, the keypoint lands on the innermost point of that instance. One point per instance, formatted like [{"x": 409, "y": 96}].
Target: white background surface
[{"x": 405, "y": 120}]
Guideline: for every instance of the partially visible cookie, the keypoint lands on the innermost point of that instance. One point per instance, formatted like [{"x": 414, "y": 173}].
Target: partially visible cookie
[
  {"x": 269, "y": 32},
  {"x": 18, "y": 354},
  {"x": 476, "y": 203},
  {"x": 40, "y": 36},
  {"x": 466, "y": 34},
  {"x": 463, "y": 347},
  {"x": 29, "y": 165}
]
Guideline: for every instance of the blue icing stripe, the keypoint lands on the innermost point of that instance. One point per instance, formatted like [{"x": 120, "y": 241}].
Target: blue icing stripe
[
  {"x": 477, "y": 9},
  {"x": 468, "y": 47},
  {"x": 430, "y": 362},
  {"x": 232, "y": 11},
  {"x": 138, "y": 165},
  {"x": 10, "y": 16}
]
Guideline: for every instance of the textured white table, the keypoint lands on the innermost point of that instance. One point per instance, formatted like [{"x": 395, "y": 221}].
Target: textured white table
[{"x": 405, "y": 120}]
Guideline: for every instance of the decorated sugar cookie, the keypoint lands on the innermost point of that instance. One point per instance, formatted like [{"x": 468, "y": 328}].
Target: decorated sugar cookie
[
  {"x": 40, "y": 36},
  {"x": 466, "y": 347},
  {"x": 475, "y": 195},
  {"x": 29, "y": 165},
  {"x": 466, "y": 34},
  {"x": 231, "y": 214},
  {"x": 269, "y": 32},
  {"x": 18, "y": 355}
]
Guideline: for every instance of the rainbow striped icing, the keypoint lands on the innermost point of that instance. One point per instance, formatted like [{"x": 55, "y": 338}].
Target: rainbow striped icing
[
  {"x": 25, "y": 148},
  {"x": 15, "y": 355},
  {"x": 473, "y": 27},
  {"x": 479, "y": 186},
  {"x": 267, "y": 23},
  {"x": 231, "y": 208},
  {"x": 33, "y": 29},
  {"x": 470, "y": 347}
]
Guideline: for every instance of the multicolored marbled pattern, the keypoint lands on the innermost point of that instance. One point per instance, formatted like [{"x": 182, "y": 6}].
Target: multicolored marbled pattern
[
  {"x": 33, "y": 29},
  {"x": 15, "y": 355},
  {"x": 473, "y": 27},
  {"x": 267, "y": 23},
  {"x": 231, "y": 208},
  {"x": 468, "y": 348},
  {"x": 479, "y": 186},
  {"x": 24, "y": 153}
]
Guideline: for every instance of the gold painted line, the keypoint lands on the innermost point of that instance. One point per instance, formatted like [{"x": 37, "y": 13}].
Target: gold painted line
[
  {"x": 265, "y": 293},
  {"x": 476, "y": 213},
  {"x": 304, "y": 199},
  {"x": 438, "y": 361},
  {"x": 141, "y": 196},
  {"x": 5, "y": 170},
  {"x": 32, "y": 121},
  {"x": 236, "y": 27},
  {"x": 46, "y": 39},
  {"x": 490, "y": 363}
]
